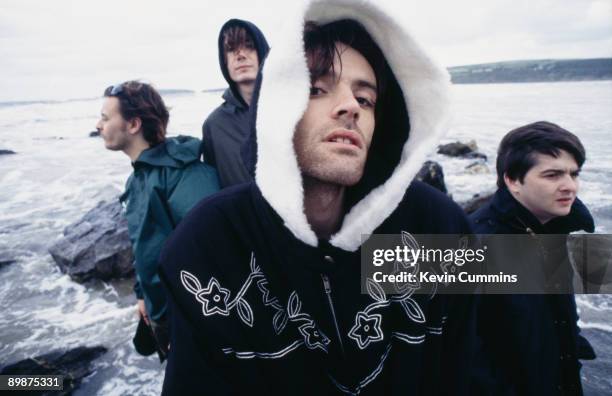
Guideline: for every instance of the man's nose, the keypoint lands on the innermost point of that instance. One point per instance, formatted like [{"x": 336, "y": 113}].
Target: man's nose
[
  {"x": 347, "y": 106},
  {"x": 240, "y": 53},
  {"x": 99, "y": 125},
  {"x": 569, "y": 183}
]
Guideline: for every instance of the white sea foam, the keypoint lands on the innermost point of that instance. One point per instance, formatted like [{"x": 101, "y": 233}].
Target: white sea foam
[{"x": 599, "y": 326}]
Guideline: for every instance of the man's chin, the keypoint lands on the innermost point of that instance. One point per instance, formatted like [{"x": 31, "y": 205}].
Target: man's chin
[
  {"x": 342, "y": 177},
  {"x": 111, "y": 147}
]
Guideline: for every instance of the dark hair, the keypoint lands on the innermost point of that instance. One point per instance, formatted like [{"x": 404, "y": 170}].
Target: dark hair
[
  {"x": 234, "y": 37},
  {"x": 320, "y": 45},
  {"x": 516, "y": 153},
  {"x": 140, "y": 100}
]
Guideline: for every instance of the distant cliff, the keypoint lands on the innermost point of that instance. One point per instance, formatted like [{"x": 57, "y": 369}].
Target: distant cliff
[{"x": 534, "y": 71}]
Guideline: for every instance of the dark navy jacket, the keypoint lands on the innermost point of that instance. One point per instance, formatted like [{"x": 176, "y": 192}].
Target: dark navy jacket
[
  {"x": 227, "y": 128},
  {"x": 261, "y": 305},
  {"x": 530, "y": 343},
  {"x": 250, "y": 314}
]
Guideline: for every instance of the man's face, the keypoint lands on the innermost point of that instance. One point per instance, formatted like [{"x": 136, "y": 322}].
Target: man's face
[
  {"x": 332, "y": 139},
  {"x": 549, "y": 187},
  {"x": 112, "y": 126},
  {"x": 242, "y": 62}
]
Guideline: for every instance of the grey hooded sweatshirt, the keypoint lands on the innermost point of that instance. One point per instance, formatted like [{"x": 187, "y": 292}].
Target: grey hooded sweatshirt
[{"x": 228, "y": 126}]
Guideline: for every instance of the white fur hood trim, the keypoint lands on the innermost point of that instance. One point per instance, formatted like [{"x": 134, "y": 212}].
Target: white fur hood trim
[{"x": 284, "y": 97}]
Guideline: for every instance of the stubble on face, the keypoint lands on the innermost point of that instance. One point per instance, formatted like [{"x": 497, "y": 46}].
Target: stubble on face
[
  {"x": 332, "y": 139},
  {"x": 112, "y": 126}
]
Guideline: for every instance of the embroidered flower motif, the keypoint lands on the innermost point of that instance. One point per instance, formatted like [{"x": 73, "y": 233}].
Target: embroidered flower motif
[
  {"x": 214, "y": 298},
  {"x": 313, "y": 337},
  {"x": 366, "y": 329}
]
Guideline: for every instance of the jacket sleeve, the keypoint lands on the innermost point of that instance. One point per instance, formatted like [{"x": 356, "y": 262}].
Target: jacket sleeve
[
  {"x": 188, "y": 371},
  {"x": 195, "y": 361},
  {"x": 207, "y": 144},
  {"x": 157, "y": 226},
  {"x": 138, "y": 289}
]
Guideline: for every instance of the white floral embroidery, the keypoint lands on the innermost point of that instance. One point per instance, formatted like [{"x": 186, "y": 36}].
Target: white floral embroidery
[
  {"x": 265, "y": 355},
  {"x": 313, "y": 337},
  {"x": 215, "y": 299},
  {"x": 367, "y": 327}
]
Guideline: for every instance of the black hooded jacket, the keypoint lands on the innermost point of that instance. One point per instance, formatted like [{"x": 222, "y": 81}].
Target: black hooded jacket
[
  {"x": 228, "y": 126},
  {"x": 261, "y": 305},
  {"x": 530, "y": 343}
]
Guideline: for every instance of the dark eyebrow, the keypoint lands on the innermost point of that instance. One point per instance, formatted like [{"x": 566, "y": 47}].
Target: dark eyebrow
[
  {"x": 559, "y": 171},
  {"x": 366, "y": 84}
]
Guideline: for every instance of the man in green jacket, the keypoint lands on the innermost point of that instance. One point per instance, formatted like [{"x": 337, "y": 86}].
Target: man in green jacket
[{"x": 168, "y": 179}]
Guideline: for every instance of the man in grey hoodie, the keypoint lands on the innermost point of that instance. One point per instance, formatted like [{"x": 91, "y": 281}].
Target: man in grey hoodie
[{"x": 242, "y": 49}]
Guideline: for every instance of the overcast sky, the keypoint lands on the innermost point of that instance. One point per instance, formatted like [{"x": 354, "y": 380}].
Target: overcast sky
[{"x": 66, "y": 49}]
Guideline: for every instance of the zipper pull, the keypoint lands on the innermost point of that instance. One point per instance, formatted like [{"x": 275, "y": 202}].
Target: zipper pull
[{"x": 326, "y": 284}]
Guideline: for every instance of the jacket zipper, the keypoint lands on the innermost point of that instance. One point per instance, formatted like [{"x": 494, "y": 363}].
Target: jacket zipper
[{"x": 327, "y": 287}]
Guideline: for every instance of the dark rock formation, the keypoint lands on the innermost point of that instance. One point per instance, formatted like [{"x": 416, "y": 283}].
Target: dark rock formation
[
  {"x": 97, "y": 246},
  {"x": 5, "y": 263},
  {"x": 476, "y": 202},
  {"x": 477, "y": 167},
  {"x": 6, "y": 152},
  {"x": 94, "y": 133},
  {"x": 74, "y": 365},
  {"x": 431, "y": 173},
  {"x": 462, "y": 150}
]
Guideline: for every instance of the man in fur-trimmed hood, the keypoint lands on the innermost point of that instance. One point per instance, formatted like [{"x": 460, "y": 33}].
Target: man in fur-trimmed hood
[{"x": 264, "y": 278}]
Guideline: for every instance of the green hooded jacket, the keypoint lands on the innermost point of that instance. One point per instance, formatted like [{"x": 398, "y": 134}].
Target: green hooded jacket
[{"x": 167, "y": 181}]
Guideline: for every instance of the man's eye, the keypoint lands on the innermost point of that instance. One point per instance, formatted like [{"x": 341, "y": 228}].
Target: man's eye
[
  {"x": 575, "y": 174},
  {"x": 365, "y": 102},
  {"x": 315, "y": 91}
]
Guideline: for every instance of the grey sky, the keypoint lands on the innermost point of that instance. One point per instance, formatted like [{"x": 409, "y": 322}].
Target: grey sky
[{"x": 63, "y": 49}]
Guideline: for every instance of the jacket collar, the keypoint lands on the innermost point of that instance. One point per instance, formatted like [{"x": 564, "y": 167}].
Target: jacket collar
[
  {"x": 513, "y": 213},
  {"x": 233, "y": 103},
  {"x": 175, "y": 152}
]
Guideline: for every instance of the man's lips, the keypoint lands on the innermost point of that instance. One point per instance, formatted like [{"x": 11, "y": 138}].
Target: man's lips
[
  {"x": 345, "y": 136},
  {"x": 565, "y": 200},
  {"x": 243, "y": 67}
]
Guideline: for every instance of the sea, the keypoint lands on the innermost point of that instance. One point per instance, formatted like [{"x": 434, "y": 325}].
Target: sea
[{"x": 58, "y": 173}]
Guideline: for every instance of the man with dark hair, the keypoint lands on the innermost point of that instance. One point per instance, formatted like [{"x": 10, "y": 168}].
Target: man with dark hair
[
  {"x": 265, "y": 292},
  {"x": 168, "y": 179},
  {"x": 242, "y": 50},
  {"x": 531, "y": 343}
]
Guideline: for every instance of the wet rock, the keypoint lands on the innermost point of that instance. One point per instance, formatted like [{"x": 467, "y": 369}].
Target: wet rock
[
  {"x": 431, "y": 173},
  {"x": 94, "y": 133},
  {"x": 74, "y": 365},
  {"x": 476, "y": 202},
  {"x": 6, "y": 152},
  {"x": 6, "y": 263},
  {"x": 478, "y": 167},
  {"x": 462, "y": 150},
  {"x": 97, "y": 246},
  {"x": 591, "y": 256}
]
